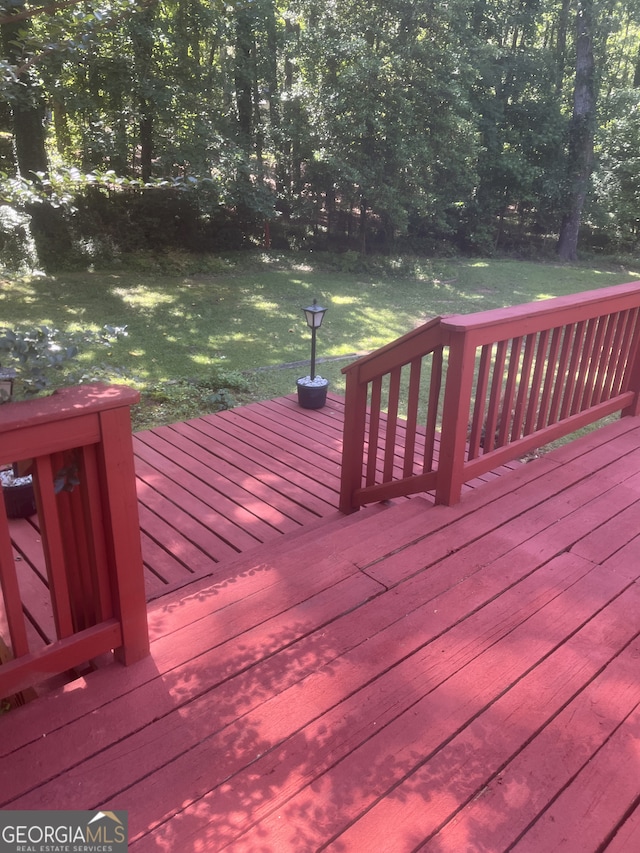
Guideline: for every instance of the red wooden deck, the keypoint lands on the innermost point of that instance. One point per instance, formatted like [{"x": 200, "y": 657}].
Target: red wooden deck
[
  {"x": 212, "y": 488},
  {"x": 411, "y": 677}
]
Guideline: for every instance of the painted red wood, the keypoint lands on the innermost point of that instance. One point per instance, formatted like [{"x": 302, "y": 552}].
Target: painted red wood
[
  {"x": 631, "y": 374},
  {"x": 526, "y": 395},
  {"x": 273, "y": 465},
  {"x": 591, "y": 808},
  {"x": 53, "y": 545},
  {"x": 90, "y": 535},
  {"x": 480, "y": 402},
  {"x": 43, "y": 663},
  {"x": 373, "y": 432},
  {"x": 36, "y": 604},
  {"x": 506, "y": 407},
  {"x": 626, "y": 347},
  {"x": 594, "y": 366},
  {"x": 294, "y": 424},
  {"x": 455, "y": 420},
  {"x": 435, "y": 386},
  {"x": 627, "y": 835},
  {"x": 299, "y": 703},
  {"x": 415, "y": 371},
  {"x": 391, "y": 423},
  {"x": 122, "y": 529},
  {"x": 414, "y": 714},
  {"x": 382, "y": 646},
  {"x": 493, "y": 814},
  {"x": 268, "y": 503},
  {"x": 537, "y": 391},
  {"x": 549, "y": 379},
  {"x": 196, "y": 502},
  {"x": 11, "y": 601}
]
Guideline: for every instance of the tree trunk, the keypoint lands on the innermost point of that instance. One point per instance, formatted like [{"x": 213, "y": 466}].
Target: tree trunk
[
  {"x": 581, "y": 133},
  {"x": 244, "y": 75},
  {"x": 146, "y": 139},
  {"x": 27, "y": 108},
  {"x": 142, "y": 38}
]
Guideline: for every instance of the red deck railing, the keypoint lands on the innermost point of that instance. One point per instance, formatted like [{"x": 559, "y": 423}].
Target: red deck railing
[
  {"x": 472, "y": 392},
  {"x": 81, "y": 438}
]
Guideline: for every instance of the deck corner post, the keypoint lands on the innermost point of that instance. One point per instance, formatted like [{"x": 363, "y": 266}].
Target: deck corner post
[
  {"x": 455, "y": 419},
  {"x": 121, "y": 509},
  {"x": 633, "y": 372},
  {"x": 355, "y": 412}
]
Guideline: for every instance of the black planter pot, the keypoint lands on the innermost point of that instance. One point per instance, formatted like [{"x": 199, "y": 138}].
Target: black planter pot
[
  {"x": 312, "y": 396},
  {"x": 19, "y": 501}
]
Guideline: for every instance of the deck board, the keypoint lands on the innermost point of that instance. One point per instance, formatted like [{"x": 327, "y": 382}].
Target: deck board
[
  {"x": 406, "y": 678},
  {"x": 217, "y": 486}
]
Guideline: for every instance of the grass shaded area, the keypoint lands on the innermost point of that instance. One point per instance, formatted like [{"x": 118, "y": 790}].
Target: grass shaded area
[{"x": 236, "y": 323}]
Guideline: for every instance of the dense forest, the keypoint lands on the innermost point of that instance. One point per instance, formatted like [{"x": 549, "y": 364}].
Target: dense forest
[{"x": 387, "y": 125}]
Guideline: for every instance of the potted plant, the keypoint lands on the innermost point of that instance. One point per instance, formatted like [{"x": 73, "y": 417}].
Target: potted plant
[{"x": 35, "y": 361}]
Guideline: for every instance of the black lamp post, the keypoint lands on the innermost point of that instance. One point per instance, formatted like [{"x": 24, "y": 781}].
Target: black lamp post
[
  {"x": 315, "y": 315},
  {"x": 312, "y": 390}
]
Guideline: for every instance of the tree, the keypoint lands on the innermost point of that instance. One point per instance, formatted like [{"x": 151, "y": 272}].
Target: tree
[
  {"x": 581, "y": 132},
  {"x": 24, "y": 96}
]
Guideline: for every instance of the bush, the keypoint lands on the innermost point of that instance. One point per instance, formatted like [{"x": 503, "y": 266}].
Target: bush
[
  {"x": 42, "y": 358},
  {"x": 17, "y": 248}
]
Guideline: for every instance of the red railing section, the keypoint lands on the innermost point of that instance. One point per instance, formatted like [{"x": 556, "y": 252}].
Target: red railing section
[
  {"x": 483, "y": 389},
  {"x": 78, "y": 445}
]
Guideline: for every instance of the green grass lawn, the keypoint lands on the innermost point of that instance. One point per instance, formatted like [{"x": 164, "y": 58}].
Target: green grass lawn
[{"x": 238, "y": 322}]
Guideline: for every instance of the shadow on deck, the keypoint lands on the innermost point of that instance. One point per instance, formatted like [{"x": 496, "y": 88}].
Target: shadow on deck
[
  {"x": 406, "y": 678},
  {"x": 213, "y": 488}
]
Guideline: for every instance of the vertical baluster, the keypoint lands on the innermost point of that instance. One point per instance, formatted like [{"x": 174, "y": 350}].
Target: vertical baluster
[
  {"x": 495, "y": 396},
  {"x": 586, "y": 352},
  {"x": 374, "y": 431},
  {"x": 480, "y": 402},
  {"x": 536, "y": 382},
  {"x": 412, "y": 417},
  {"x": 612, "y": 348},
  {"x": 524, "y": 395},
  {"x": 435, "y": 387},
  {"x": 11, "y": 591},
  {"x": 572, "y": 370},
  {"x": 551, "y": 373},
  {"x": 53, "y": 533},
  {"x": 510, "y": 405},
  {"x": 594, "y": 358},
  {"x": 392, "y": 425}
]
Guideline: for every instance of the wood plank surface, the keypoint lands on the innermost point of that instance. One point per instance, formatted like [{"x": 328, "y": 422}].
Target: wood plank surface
[
  {"x": 215, "y": 487},
  {"x": 406, "y": 678}
]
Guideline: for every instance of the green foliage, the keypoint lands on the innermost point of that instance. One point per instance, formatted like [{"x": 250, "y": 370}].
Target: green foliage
[
  {"x": 44, "y": 358},
  {"x": 182, "y": 399},
  {"x": 364, "y": 127},
  {"x": 614, "y": 208},
  {"x": 17, "y": 249}
]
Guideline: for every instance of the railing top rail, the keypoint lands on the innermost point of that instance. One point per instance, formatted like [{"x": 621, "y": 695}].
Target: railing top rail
[
  {"x": 404, "y": 349},
  {"x": 499, "y": 324},
  {"x": 65, "y": 403},
  {"x": 547, "y": 313}
]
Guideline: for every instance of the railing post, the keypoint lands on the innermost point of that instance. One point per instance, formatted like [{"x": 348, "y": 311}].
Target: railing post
[
  {"x": 123, "y": 543},
  {"x": 455, "y": 418},
  {"x": 355, "y": 414},
  {"x": 632, "y": 383},
  {"x": 80, "y": 439}
]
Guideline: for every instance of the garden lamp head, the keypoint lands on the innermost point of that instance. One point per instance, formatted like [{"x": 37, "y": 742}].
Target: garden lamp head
[{"x": 315, "y": 315}]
